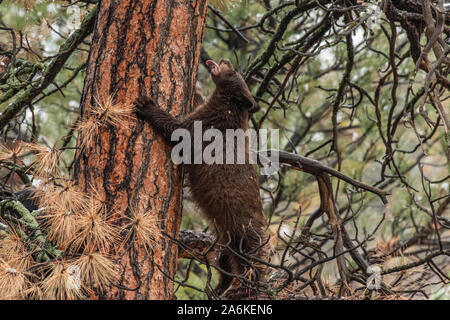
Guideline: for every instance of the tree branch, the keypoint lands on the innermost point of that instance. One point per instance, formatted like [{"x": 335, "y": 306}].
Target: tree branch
[
  {"x": 315, "y": 167},
  {"x": 25, "y": 98}
]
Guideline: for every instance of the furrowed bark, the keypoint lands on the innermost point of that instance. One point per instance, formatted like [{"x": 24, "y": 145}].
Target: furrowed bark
[{"x": 140, "y": 48}]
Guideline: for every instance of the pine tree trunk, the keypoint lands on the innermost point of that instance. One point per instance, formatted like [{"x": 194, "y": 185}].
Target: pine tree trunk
[{"x": 140, "y": 47}]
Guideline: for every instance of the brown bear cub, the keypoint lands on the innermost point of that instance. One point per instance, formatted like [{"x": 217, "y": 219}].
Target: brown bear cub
[{"x": 228, "y": 194}]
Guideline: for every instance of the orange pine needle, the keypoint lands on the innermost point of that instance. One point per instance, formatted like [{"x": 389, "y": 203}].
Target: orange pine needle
[
  {"x": 12, "y": 282},
  {"x": 96, "y": 270},
  {"x": 57, "y": 284},
  {"x": 95, "y": 232},
  {"x": 46, "y": 162},
  {"x": 143, "y": 228}
]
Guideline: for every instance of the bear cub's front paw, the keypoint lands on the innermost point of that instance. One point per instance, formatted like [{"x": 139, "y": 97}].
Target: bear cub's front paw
[{"x": 143, "y": 104}]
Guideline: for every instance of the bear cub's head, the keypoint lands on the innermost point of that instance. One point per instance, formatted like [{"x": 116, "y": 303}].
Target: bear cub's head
[{"x": 230, "y": 84}]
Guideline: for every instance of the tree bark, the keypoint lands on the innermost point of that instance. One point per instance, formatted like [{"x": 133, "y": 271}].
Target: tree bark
[{"x": 138, "y": 48}]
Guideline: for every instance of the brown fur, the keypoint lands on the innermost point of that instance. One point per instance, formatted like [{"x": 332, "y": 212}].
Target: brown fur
[{"x": 228, "y": 194}]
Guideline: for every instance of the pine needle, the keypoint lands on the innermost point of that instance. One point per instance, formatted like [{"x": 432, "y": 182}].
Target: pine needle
[
  {"x": 96, "y": 270},
  {"x": 34, "y": 292},
  {"x": 143, "y": 228},
  {"x": 61, "y": 225},
  {"x": 56, "y": 284},
  {"x": 105, "y": 111},
  {"x": 63, "y": 196},
  {"x": 63, "y": 206},
  {"x": 116, "y": 114},
  {"x": 12, "y": 282},
  {"x": 47, "y": 159},
  {"x": 95, "y": 232},
  {"x": 13, "y": 154},
  {"x": 14, "y": 252},
  {"x": 88, "y": 131}
]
